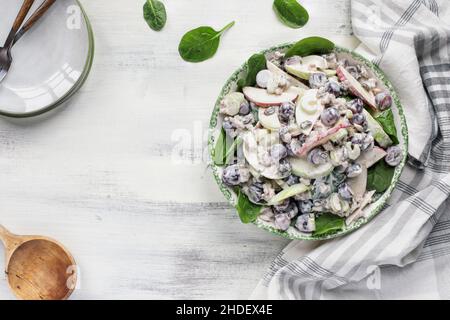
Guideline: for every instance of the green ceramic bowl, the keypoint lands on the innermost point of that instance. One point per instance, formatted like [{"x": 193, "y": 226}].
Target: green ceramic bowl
[{"x": 372, "y": 210}]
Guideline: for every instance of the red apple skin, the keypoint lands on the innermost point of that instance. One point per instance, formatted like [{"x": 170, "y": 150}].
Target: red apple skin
[
  {"x": 343, "y": 77},
  {"x": 250, "y": 97},
  {"x": 321, "y": 139}
]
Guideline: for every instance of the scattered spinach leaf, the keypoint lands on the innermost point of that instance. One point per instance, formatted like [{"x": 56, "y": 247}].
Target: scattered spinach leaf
[
  {"x": 386, "y": 119},
  {"x": 291, "y": 13},
  {"x": 201, "y": 43},
  {"x": 248, "y": 211},
  {"x": 309, "y": 46},
  {"x": 379, "y": 177},
  {"x": 155, "y": 14},
  {"x": 255, "y": 64},
  {"x": 328, "y": 223}
]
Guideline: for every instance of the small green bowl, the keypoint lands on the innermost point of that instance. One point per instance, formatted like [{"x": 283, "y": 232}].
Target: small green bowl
[{"x": 372, "y": 210}]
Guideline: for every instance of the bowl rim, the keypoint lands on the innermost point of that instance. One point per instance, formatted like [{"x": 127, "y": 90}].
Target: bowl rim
[
  {"x": 77, "y": 85},
  {"x": 381, "y": 201}
]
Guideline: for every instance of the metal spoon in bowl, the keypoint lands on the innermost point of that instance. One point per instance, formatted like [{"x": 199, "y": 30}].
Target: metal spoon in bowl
[
  {"x": 15, "y": 34},
  {"x": 38, "y": 268}
]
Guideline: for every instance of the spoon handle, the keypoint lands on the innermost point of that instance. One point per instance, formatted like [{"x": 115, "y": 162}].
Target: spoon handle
[
  {"x": 34, "y": 18},
  {"x": 3, "y": 232},
  {"x": 9, "y": 240},
  {"x": 26, "y": 6}
]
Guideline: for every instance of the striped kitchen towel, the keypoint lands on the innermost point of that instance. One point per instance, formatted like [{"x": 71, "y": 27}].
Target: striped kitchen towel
[{"x": 404, "y": 253}]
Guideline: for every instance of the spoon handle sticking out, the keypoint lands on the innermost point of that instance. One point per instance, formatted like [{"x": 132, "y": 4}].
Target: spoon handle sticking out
[
  {"x": 10, "y": 241},
  {"x": 26, "y": 6},
  {"x": 34, "y": 18}
]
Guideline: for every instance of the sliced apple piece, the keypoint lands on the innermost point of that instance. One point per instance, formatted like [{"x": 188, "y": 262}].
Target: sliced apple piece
[
  {"x": 305, "y": 169},
  {"x": 262, "y": 98},
  {"x": 321, "y": 138},
  {"x": 372, "y": 156},
  {"x": 377, "y": 131},
  {"x": 316, "y": 62},
  {"x": 271, "y": 122},
  {"x": 266, "y": 137},
  {"x": 366, "y": 160},
  {"x": 299, "y": 70},
  {"x": 359, "y": 184},
  {"x": 299, "y": 90},
  {"x": 309, "y": 108},
  {"x": 356, "y": 88},
  {"x": 250, "y": 150},
  {"x": 254, "y": 145},
  {"x": 294, "y": 82},
  {"x": 307, "y": 66},
  {"x": 287, "y": 193}
]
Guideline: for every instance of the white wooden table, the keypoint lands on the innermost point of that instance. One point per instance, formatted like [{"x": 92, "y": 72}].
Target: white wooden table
[{"x": 99, "y": 174}]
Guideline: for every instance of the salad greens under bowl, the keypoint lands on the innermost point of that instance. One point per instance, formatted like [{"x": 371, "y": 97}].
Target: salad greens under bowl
[{"x": 342, "y": 140}]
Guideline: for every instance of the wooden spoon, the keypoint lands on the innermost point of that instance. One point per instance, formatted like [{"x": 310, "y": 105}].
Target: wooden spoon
[{"x": 38, "y": 268}]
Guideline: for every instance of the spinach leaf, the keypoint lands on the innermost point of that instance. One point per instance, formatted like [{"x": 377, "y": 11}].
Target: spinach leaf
[
  {"x": 155, "y": 14},
  {"x": 386, "y": 119},
  {"x": 291, "y": 13},
  {"x": 201, "y": 44},
  {"x": 255, "y": 64},
  {"x": 380, "y": 176},
  {"x": 328, "y": 223},
  {"x": 220, "y": 149},
  {"x": 225, "y": 149},
  {"x": 248, "y": 211},
  {"x": 309, "y": 46}
]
